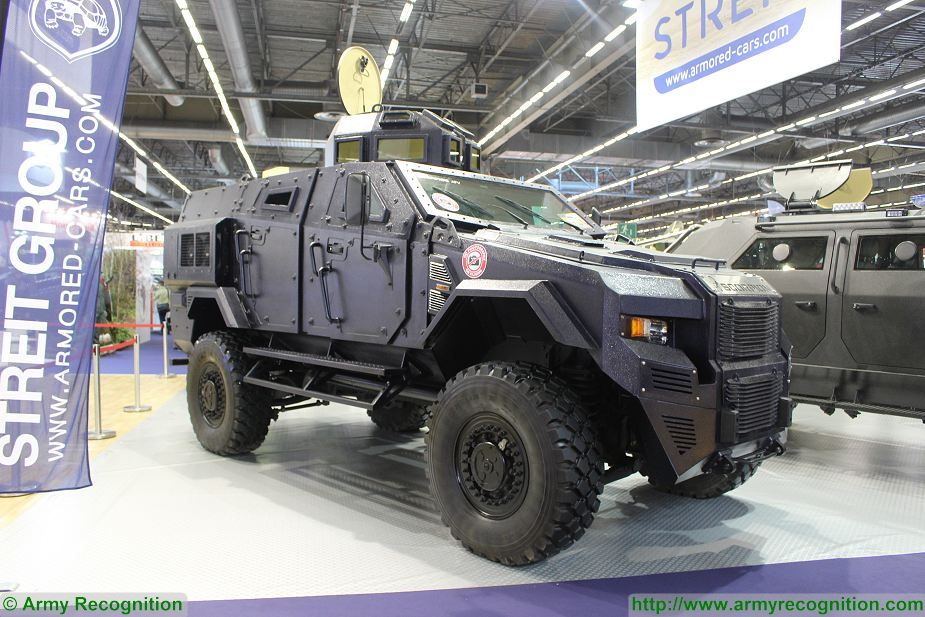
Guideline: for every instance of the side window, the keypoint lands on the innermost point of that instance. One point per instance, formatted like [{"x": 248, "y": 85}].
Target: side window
[
  {"x": 359, "y": 193},
  {"x": 784, "y": 254},
  {"x": 401, "y": 149},
  {"x": 349, "y": 151},
  {"x": 377, "y": 210},
  {"x": 892, "y": 252},
  {"x": 456, "y": 155},
  {"x": 475, "y": 159}
]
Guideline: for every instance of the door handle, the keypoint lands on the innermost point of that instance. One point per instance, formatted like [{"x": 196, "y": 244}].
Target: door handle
[
  {"x": 806, "y": 305},
  {"x": 832, "y": 283},
  {"x": 322, "y": 273},
  {"x": 860, "y": 306}
]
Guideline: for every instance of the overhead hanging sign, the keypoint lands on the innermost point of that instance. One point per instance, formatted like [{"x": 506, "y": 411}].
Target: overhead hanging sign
[
  {"x": 695, "y": 54},
  {"x": 63, "y": 75}
]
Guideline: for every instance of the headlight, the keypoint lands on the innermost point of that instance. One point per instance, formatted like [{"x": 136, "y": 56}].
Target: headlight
[{"x": 646, "y": 329}]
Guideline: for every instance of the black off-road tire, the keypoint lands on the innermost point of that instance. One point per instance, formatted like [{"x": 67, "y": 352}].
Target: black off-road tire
[
  {"x": 546, "y": 448},
  {"x": 708, "y": 486},
  {"x": 400, "y": 417},
  {"x": 228, "y": 416}
]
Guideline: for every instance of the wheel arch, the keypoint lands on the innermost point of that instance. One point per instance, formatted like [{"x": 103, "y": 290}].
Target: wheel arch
[{"x": 514, "y": 320}]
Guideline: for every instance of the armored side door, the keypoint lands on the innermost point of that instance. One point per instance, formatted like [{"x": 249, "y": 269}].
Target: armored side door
[
  {"x": 883, "y": 298},
  {"x": 267, "y": 243},
  {"x": 356, "y": 256},
  {"x": 801, "y": 267}
]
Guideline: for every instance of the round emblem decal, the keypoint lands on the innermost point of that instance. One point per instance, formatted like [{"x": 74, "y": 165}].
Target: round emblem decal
[
  {"x": 474, "y": 261},
  {"x": 445, "y": 201}
]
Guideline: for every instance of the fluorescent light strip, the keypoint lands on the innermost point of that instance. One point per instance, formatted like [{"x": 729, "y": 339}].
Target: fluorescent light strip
[
  {"x": 830, "y": 155},
  {"x": 105, "y": 121},
  {"x": 247, "y": 157},
  {"x": 406, "y": 12},
  {"x": 805, "y": 121},
  {"x": 593, "y": 51},
  {"x": 216, "y": 85},
  {"x": 864, "y": 20},
  {"x": 897, "y": 5},
  {"x": 140, "y": 206}
]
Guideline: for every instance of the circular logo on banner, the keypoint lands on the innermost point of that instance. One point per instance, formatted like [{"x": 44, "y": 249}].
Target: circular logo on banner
[
  {"x": 76, "y": 28},
  {"x": 445, "y": 201},
  {"x": 474, "y": 261}
]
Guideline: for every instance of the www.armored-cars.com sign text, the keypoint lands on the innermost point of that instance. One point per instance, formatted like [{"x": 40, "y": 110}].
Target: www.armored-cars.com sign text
[{"x": 63, "y": 73}]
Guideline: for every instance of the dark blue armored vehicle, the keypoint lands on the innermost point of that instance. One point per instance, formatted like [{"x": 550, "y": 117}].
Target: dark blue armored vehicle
[{"x": 543, "y": 361}]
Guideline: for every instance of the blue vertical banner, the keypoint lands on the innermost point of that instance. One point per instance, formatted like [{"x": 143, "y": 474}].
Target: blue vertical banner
[{"x": 63, "y": 76}]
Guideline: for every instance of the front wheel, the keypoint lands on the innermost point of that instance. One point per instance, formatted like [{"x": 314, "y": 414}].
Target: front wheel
[
  {"x": 513, "y": 462},
  {"x": 711, "y": 485},
  {"x": 228, "y": 416}
]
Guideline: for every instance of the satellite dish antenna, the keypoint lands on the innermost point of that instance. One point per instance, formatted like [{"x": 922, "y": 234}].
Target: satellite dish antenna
[{"x": 359, "y": 81}]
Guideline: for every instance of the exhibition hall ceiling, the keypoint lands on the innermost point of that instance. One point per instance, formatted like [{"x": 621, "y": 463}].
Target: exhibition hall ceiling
[{"x": 560, "y": 104}]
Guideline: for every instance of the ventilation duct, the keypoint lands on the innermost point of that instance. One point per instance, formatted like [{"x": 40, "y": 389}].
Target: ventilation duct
[
  {"x": 154, "y": 66},
  {"x": 229, "y": 27}
]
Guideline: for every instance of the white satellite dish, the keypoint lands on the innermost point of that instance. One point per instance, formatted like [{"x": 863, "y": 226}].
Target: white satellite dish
[{"x": 359, "y": 81}]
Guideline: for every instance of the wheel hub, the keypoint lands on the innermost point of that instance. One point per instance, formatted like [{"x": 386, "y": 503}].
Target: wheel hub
[
  {"x": 491, "y": 466},
  {"x": 212, "y": 396},
  {"x": 208, "y": 395},
  {"x": 488, "y": 466}
]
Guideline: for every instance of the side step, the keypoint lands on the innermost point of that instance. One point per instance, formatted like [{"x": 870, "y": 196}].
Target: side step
[
  {"x": 350, "y": 366},
  {"x": 321, "y": 396}
]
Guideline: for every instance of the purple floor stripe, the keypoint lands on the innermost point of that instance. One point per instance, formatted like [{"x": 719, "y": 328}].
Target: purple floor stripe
[
  {"x": 604, "y": 597},
  {"x": 151, "y": 355}
]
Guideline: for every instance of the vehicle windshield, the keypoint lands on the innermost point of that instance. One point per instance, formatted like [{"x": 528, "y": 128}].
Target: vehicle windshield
[{"x": 500, "y": 202}]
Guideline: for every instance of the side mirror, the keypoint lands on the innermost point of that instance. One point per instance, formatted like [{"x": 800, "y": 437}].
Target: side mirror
[
  {"x": 906, "y": 250},
  {"x": 356, "y": 199},
  {"x": 596, "y": 216},
  {"x": 781, "y": 253}
]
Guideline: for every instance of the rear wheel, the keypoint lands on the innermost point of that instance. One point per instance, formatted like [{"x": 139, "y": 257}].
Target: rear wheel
[
  {"x": 711, "y": 485},
  {"x": 228, "y": 416},
  {"x": 513, "y": 462},
  {"x": 400, "y": 417}
]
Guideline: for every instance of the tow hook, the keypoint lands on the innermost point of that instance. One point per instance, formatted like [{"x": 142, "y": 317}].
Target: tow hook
[{"x": 724, "y": 463}]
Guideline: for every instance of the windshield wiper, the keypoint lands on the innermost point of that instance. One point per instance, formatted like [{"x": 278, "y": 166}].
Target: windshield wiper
[
  {"x": 482, "y": 212},
  {"x": 523, "y": 209}
]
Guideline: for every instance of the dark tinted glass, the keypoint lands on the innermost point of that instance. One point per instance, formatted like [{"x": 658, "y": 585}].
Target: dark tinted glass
[
  {"x": 876, "y": 253},
  {"x": 805, "y": 254}
]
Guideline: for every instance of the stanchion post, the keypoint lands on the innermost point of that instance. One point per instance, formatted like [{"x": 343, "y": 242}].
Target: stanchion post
[
  {"x": 137, "y": 406},
  {"x": 99, "y": 433},
  {"x": 167, "y": 374}
]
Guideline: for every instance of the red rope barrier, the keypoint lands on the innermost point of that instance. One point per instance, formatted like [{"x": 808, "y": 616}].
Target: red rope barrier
[
  {"x": 154, "y": 326},
  {"x": 116, "y": 346}
]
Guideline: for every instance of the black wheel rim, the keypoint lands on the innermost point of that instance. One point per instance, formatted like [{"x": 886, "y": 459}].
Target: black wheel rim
[
  {"x": 212, "y": 395},
  {"x": 491, "y": 466}
]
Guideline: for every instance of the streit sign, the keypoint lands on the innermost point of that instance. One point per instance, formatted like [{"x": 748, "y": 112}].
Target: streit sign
[
  {"x": 695, "y": 54},
  {"x": 64, "y": 71}
]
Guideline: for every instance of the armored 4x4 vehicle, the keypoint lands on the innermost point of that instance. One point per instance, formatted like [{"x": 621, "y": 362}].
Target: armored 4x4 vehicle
[
  {"x": 543, "y": 360},
  {"x": 852, "y": 280}
]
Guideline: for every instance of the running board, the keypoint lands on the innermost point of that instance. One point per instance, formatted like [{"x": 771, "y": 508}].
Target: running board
[
  {"x": 340, "y": 364},
  {"x": 904, "y": 412},
  {"x": 315, "y": 394}
]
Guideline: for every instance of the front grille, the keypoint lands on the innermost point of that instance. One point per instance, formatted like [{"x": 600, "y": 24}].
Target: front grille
[
  {"x": 203, "y": 250},
  {"x": 438, "y": 271},
  {"x": 748, "y": 330},
  {"x": 435, "y": 302},
  {"x": 755, "y": 400},
  {"x": 672, "y": 379},
  {"x": 186, "y": 250},
  {"x": 682, "y": 433}
]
